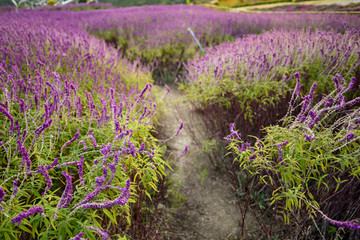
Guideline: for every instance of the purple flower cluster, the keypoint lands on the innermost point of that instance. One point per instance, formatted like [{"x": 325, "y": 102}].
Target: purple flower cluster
[
  {"x": 47, "y": 177},
  {"x": 233, "y": 133},
  {"x": 279, "y": 145},
  {"x": 121, "y": 200},
  {"x": 67, "y": 194},
  {"x": 103, "y": 233},
  {"x": 76, "y": 136},
  {"x": 347, "y": 224},
  {"x": 25, "y": 214}
]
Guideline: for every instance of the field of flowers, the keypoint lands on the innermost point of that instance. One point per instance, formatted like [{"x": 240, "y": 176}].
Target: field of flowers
[{"x": 79, "y": 157}]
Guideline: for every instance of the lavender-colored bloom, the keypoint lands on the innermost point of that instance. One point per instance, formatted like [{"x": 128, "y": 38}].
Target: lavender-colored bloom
[
  {"x": 121, "y": 200},
  {"x": 309, "y": 137},
  {"x": 329, "y": 102},
  {"x": 2, "y": 194},
  {"x": 25, "y": 158},
  {"x": 142, "y": 93},
  {"x": 99, "y": 181},
  {"x": 15, "y": 188},
  {"x": 32, "y": 211},
  {"x": 52, "y": 165},
  {"x": 4, "y": 105},
  {"x": 103, "y": 233},
  {"x": 143, "y": 114},
  {"x": 47, "y": 177},
  {"x": 106, "y": 148},
  {"x": 347, "y": 224},
  {"x": 298, "y": 85},
  {"x": 40, "y": 129},
  {"x": 67, "y": 194},
  {"x": 279, "y": 145},
  {"x": 185, "y": 151},
  {"x": 242, "y": 148},
  {"x": 93, "y": 140},
  {"x": 22, "y": 105},
  {"x": 78, "y": 236},
  {"x": 84, "y": 144},
  {"x": 178, "y": 131},
  {"x": 17, "y": 128},
  {"x": 350, "y": 136},
  {"x": 8, "y": 115},
  {"x": 142, "y": 147},
  {"x": 81, "y": 173},
  {"x": 90, "y": 196},
  {"x": 253, "y": 157},
  {"x": 72, "y": 140}
]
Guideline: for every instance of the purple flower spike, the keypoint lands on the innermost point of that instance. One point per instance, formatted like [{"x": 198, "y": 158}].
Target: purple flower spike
[
  {"x": 72, "y": 140},
  {"x": 279, "y": 145},
  {"x": 32, "y": 211},
  {"x": 15, "y": 191},
  {"x": 350, "y": 136},
  {"x": 348, "y": 224},
  {"x": 78, "y": 236},
  {"x": 178, "y": 131},
  {"x": 84, "y": 144},
  {"x": 309, "y": 137},
  {"x": 232, "y": 132},
  {"x": 8, "y": 115},
  {"x": 67, "y": 194},
  {"x": 185, "y": 151},
  {"x": 81, "y": 166},
  {"x": 121, "y": 200},
  {"x": 93, "y": 140},
  {"x": 103, "y": 233},
  {"x": 47, "y": 177},
  {"x": 2, "y": 194},
  {"x": 25, "y": 158},
  {"x": 298, "y": 85}
]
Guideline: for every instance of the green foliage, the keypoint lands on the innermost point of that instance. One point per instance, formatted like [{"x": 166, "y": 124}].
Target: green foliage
[{"x": 306, "y": 175}]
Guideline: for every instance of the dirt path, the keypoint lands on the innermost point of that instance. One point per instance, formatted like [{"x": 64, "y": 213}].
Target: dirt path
[{"x": 201, "y": 203}]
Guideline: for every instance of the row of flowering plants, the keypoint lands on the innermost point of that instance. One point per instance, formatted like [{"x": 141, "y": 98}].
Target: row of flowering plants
[
  {"x": 309, "y": 163},
  {"x": 77, "y": 155},
  {"x": 161, "y": 32},
  {"x": 249, "y": 79}
]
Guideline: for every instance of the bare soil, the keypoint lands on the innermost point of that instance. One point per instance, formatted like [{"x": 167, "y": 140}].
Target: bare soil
[{"x": 200, "y": 200}]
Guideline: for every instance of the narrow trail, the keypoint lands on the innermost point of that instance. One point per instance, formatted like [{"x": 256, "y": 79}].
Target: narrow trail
[{"x": 200, "y": 200}]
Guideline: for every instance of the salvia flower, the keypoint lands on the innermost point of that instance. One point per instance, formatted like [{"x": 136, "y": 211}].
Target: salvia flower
[
  {"x": 298, "y": 85},
  {"x": 67, "y": 194},
  {"x": 178, "y": 131},
  {"x": 279, "y": 145},
  {"x": 15, "y": 188},
  {"x": 2, "y": 194},
  {"x": 47, "y": 177},
  {"x": 8, "y": 115},
  {"x": 32, "y": 211},
  {"x": 309, "y": 137},
  {"x": 25, "y": 158},
  {"x": 84, "y": 144},
  {"x": 121, "y": 200},
  {"x": 103, "y": 233},
  {"x": 81, "y": 173},
  {"x": 72, "y": 140},
  {"x": 79, "y": 236},
  {"x": 185, "y": 151},
  {"x": 93, "y": 140},
  {"x": 347, "y": 224}
]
